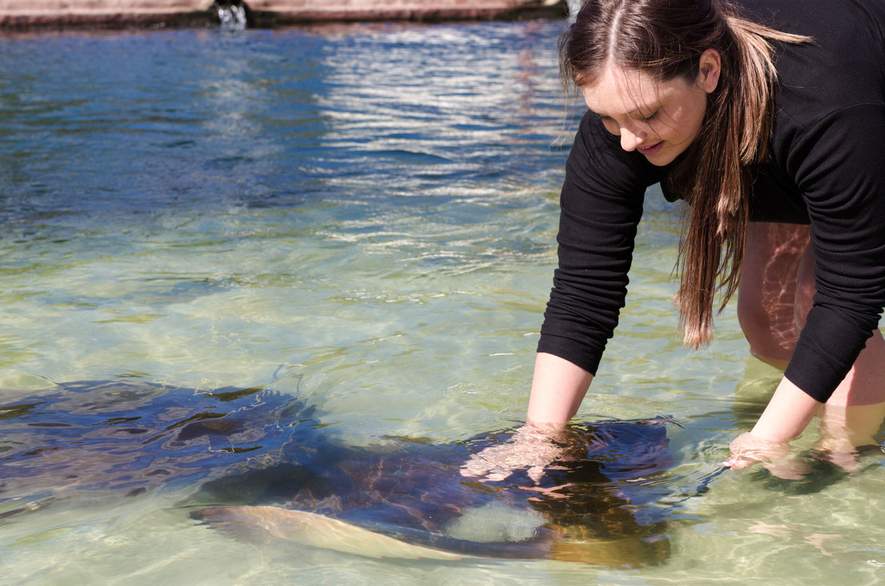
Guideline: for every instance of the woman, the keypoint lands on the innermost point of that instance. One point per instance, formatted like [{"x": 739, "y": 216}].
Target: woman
[{"x": 768, "y": 117}]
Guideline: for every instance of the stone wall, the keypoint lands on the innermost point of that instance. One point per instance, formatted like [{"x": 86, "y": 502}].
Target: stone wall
[
  {"x": 61, "y": 13},
  {"x": 278, "y": 11},
  {"x": 67, "y": 13}
]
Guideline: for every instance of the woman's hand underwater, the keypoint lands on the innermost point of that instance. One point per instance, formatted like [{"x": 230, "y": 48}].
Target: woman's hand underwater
[
  {"x": 748, "y": 449},
  {"x": 532, "y": 448}
]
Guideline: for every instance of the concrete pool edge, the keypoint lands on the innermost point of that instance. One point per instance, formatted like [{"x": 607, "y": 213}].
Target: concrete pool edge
[{"x": 17, "y": 15}]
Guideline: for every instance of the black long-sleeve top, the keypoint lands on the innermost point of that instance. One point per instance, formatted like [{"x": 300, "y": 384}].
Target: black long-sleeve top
[{"x": 826, "y": 168}]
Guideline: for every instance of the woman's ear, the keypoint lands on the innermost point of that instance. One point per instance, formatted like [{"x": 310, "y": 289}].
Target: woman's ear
[{"x": 709, "y": 68}]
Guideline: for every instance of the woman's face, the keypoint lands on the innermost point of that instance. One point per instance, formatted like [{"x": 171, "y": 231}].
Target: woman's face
[{"x": 660, "y": 119}]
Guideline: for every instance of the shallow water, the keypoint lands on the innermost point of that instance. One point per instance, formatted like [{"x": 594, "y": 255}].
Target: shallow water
[{"x": 363, "y": 217}]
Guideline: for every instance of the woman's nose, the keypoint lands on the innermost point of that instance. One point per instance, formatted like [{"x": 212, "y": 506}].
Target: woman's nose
[{"x": 630, "y": 140}]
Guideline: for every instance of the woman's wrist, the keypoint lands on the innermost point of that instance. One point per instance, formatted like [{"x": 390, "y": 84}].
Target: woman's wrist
[
  {"x": 558, "y": 387},
  {"x": 786, "y": 415}
]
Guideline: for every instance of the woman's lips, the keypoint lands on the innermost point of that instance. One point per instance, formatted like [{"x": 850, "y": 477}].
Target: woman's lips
[{"x": 651, "y": 149}]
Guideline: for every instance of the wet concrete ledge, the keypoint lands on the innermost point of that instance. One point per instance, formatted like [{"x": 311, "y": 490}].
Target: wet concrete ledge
[{"x": 61, "y": 14}]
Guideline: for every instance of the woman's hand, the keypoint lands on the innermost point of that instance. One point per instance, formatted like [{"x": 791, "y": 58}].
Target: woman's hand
[
  {"x": 558, "y": 387},
  {"x": 786, "y": 416},
  {"x": 531, "y": 448},
  {"x": 748, "y": 449}
]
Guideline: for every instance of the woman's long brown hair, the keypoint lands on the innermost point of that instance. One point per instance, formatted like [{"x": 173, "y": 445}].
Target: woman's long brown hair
[{"x": 665, "y": 39}]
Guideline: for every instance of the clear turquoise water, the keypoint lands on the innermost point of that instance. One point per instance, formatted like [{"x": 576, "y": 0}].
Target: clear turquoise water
[{"x": 364, "y": 217}]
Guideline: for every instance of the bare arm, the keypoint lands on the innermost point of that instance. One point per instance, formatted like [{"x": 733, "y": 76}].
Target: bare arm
[
  {"x": 788, "y": 412},
  {"x": 558, "y": 387}
]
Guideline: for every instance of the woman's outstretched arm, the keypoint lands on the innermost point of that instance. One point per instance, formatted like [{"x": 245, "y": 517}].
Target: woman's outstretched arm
[{"x": 558, "y": 387}]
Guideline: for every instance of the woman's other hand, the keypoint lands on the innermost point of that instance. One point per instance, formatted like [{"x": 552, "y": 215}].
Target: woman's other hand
[
  {"x": 748, "y": 449},
  {"x": 785, "y": 417}
]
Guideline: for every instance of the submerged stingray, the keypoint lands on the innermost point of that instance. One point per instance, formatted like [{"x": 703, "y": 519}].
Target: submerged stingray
[{"x": 263, "y": 466}]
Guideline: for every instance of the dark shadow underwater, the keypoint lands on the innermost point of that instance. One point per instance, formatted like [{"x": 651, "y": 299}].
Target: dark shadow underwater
[{"x": 262, "y": 466}]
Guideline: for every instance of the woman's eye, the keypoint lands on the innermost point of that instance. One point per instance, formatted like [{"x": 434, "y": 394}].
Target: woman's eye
[
  {"x": 650, "y": 116},
  {"x": 611, "y": 126}
]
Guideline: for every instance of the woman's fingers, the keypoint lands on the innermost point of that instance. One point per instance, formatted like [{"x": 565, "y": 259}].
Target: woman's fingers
[{"x": 751, "y": 447}]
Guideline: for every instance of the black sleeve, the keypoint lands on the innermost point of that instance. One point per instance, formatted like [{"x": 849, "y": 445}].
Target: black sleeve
[
  {"x": 839, "y": 165},
  {"x": 601, "y": 204}
]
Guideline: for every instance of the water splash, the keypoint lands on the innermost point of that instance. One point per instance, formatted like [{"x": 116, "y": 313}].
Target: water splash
[{"x": 231, "y": 17}]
